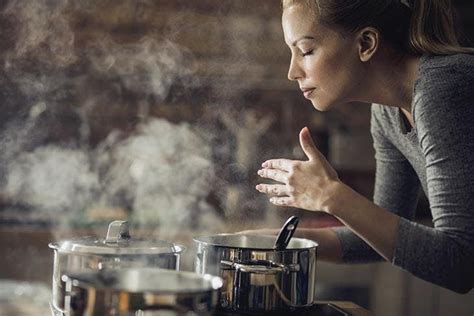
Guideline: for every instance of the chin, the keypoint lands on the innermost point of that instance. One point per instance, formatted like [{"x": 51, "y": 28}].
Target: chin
[{"x": 321, "y": 106}]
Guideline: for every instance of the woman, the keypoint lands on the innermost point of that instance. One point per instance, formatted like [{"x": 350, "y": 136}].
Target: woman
[{"x": 404, "y": 58}]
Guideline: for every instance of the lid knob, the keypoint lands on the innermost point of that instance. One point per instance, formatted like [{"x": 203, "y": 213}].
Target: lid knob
[{"x": 118, "y": 231}]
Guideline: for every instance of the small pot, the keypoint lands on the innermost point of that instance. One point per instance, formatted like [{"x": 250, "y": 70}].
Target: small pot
[
  {"x": 258, "y": 278},
  {"x": 117, "y": 251},
  {"x": 141, "y": 291}
]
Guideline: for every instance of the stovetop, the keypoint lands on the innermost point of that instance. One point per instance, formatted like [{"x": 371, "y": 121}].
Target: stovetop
[{"x": 316, "y": 310}]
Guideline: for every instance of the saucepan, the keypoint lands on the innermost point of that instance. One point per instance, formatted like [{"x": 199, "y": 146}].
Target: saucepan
[
  {"x": 140, "y": 292},
  {"x": 117, "y": 250},
  {"x": 258, "y": 275}
]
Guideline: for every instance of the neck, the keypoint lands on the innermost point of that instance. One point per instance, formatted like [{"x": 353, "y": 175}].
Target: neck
[{"x": 391, "y": 81}]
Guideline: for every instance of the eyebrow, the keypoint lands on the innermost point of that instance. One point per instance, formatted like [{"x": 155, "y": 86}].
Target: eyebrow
[{"x": 302, "y": 38}]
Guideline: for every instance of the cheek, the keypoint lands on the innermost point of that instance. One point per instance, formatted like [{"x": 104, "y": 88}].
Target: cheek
[
  {"x": 326, "y": 70},
  {"x": 333, "y": 64},
  {"x": 337, "y": 75},
  {"x": 334, "y": 81}
]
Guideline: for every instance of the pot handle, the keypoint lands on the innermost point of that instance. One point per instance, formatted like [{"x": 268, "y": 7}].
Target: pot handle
[
  {"x": 118, "y": 231},
  {"x": 260, "y": 267}
]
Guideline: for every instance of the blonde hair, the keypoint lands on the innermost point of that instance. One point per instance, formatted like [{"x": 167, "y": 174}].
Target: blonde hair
[{"x": 424, "y": 27}]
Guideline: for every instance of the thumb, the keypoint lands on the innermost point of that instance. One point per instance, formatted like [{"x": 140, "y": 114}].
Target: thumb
[{"x": 307, "y": 144}]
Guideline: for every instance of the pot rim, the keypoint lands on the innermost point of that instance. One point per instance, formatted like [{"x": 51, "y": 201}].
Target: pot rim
[
  {"x": 289, "y": 249},
  {"x": 79, "y": 246}
]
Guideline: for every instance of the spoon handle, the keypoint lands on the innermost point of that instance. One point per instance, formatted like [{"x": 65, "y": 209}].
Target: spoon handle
[{"x": 286, "y": 233}]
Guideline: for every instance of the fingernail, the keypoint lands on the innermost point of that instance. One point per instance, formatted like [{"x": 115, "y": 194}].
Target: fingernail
[
  {"x": 272, "y": 200},
  {"x": 260, "y": 172},
  {"x": 265, "y": 164},
  {"x": 258, "y": 187}
]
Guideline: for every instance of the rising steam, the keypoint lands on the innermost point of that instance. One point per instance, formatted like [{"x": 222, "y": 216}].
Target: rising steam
[{"x": 159, "y": 172}]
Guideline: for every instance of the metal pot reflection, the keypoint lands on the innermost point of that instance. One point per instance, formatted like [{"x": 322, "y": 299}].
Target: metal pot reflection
[
  {"x": 117, "y": 251},
  {"x": 257, "y": 278},
  {"x": 140, "y": 292}
]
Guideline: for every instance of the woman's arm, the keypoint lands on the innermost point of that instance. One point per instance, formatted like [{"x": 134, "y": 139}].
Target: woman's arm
[
  {"x": 314, "y": 185},
  {"x": 396, "y": 186},
  {"x": 444, "y": 116},
  {"x": 442, "y": 255},
  {"x": 378, "y": 227},
  {"x": 329, "y": 246}
]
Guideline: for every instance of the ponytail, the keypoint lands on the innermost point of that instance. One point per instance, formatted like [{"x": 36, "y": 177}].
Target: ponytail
[
  {"x": 411, "y": 26},
  {"x": 432, "y": 29}
]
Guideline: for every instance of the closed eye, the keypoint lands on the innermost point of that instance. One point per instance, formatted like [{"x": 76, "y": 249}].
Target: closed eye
[{"x": 310, "y": 52}]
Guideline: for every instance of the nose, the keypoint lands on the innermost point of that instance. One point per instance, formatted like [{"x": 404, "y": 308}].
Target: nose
[{"x": 294, "y": 72}]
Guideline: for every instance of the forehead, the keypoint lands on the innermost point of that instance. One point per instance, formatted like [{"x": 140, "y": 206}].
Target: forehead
[{"x": 299, "y": 21}]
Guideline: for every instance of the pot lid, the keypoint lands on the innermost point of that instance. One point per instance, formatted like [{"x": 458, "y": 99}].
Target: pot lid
[
  {"x": 141, "y": 280},
  {"x": 117, "y": 242}
]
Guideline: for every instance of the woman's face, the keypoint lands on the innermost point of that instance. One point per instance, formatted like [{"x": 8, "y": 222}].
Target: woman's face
[{"x": 325, "y": 64}]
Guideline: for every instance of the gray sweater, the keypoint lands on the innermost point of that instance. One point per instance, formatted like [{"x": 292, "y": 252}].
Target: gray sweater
[{"x": 438, "y": 155}]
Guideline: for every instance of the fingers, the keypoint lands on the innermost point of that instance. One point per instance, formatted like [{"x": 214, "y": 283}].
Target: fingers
[
  {"x": 274, "y": 174},
  {"x": 282, "y": 164},
  {"x": 280, "y": 193},
  {"x": 282, "y": 201},
  {"x": 307, "y": 144},
  {"x": 272, "y": 189}
]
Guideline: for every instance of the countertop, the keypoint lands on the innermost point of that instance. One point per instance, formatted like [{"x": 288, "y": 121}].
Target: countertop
[
  {"x": 352, "y": 308},
  {"x": 321, "y": 308}
]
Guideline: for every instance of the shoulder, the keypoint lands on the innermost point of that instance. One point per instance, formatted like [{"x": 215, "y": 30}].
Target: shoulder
[
  {"x": 462, "y": 63},
  {"x": 439, "y": 74},
  {"x": 444, "y": 102},
  {"x": 444, "y": 88}
]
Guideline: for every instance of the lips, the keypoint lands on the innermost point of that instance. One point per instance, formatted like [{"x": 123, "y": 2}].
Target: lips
[{"x": 307, "y": 92}]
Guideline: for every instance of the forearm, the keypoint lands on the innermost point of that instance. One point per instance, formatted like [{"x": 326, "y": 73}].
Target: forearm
[
  {"x": 378, "y": 227},
  {"x": 329, "y": 248}
]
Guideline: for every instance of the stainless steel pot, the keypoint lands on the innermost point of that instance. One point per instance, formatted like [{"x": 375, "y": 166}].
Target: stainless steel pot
[
  {"x": 256, "y": 277},
  {"x": 140, "y": 292},
  {"x": 118, "y": 250}
]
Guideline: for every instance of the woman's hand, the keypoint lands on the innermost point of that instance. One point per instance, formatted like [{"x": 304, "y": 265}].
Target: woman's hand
[{"x": 309, "y": 185}]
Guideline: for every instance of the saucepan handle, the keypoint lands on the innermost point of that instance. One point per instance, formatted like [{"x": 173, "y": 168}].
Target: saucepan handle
[{"x": 260, "y": 267}]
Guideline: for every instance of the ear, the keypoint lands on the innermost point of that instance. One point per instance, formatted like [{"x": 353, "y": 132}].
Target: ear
[{"x": 369, "y": 41}]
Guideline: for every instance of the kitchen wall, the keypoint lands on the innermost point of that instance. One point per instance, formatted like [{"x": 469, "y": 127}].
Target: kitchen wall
[
  {"x": 84, "y": 79},
  {"x": 92, "y": 89}
]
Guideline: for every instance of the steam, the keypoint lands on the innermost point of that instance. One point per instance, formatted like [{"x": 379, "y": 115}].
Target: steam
[
  {"x": 43, "y": 31},
  {"x": 152, "y": 170},
  {"x": 160, "y": 172},
  {"x": 163, "y": 172},
  {"x": 52, "y": 179},
  {"x": 167, "y": 171},
  {"x": 148, "y": 67}
]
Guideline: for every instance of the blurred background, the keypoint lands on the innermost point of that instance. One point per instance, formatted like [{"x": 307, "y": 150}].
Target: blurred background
[{"x": 161, "y": 112}]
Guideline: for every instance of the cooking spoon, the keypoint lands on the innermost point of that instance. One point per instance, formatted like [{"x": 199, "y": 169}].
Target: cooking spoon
[{"x": 286, "y": 233}]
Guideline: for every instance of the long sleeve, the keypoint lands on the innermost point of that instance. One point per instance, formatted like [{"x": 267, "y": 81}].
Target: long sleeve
[
  {"x": 444, "y": 120},
  {"x": 396, "y": 189},
  {"x": 438, "y": 154}
]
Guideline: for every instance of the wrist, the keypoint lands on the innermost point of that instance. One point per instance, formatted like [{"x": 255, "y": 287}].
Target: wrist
[{"x": 339, "y": 198}]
